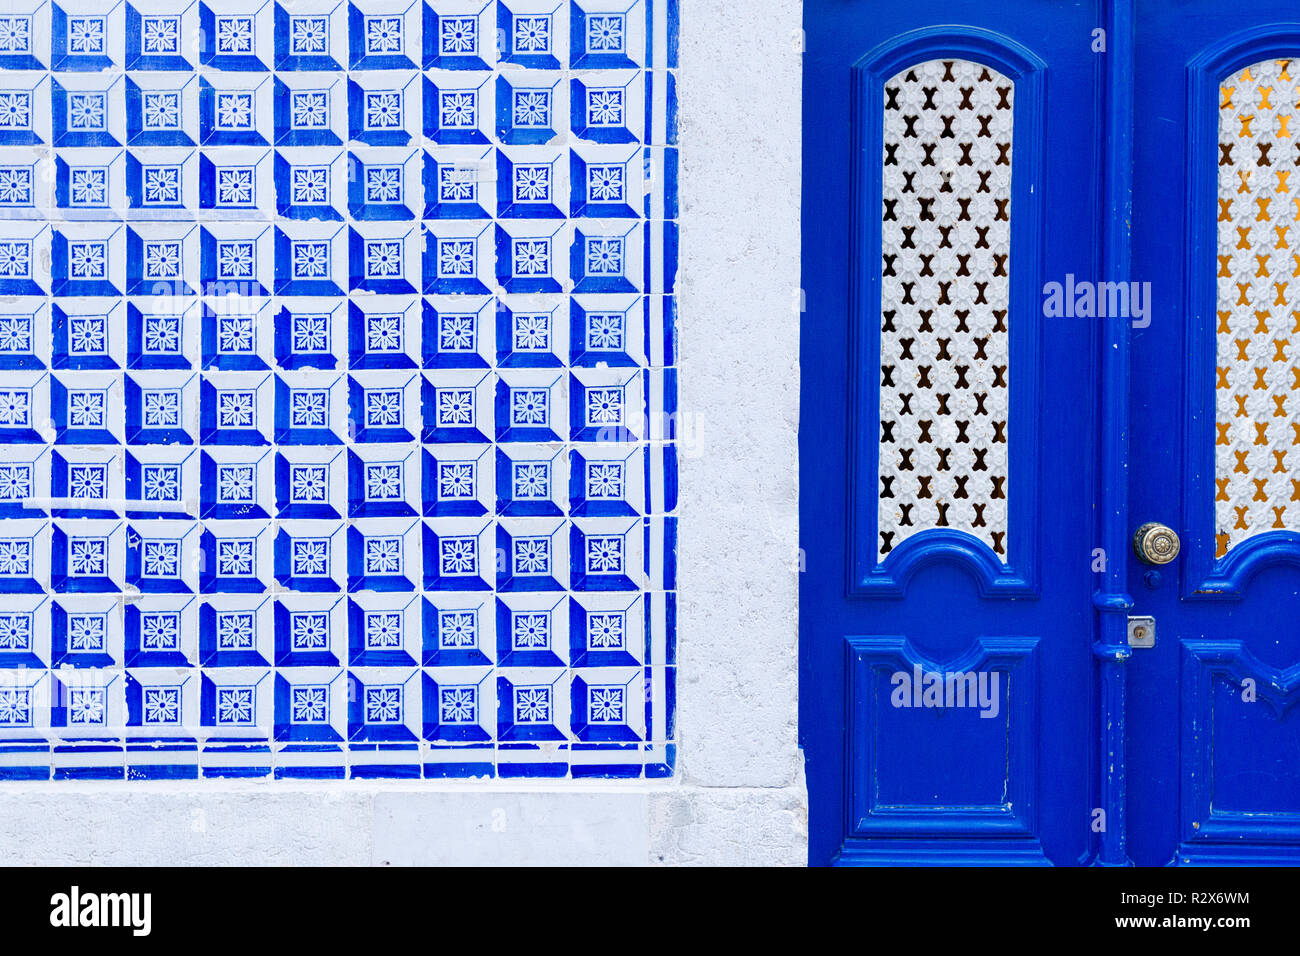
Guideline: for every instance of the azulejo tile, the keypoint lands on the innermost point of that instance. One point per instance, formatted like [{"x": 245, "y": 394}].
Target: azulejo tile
[{"x": 336, "y": 423}]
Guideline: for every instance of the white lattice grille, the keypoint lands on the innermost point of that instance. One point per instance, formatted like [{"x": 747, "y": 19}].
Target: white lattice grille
[
  {"x": 1257, "y": 388},
  {"x": 945, "y": 242}
]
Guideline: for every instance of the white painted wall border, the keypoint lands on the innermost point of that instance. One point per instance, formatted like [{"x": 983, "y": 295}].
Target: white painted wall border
[{"x": 738, "y": 797}]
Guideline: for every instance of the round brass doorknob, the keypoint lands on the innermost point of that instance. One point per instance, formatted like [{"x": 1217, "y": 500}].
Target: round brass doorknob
[{"x": 1156, "y": 543}]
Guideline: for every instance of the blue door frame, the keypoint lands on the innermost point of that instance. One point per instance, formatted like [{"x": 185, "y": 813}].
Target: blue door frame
[{"x": 1098, "y": 753}]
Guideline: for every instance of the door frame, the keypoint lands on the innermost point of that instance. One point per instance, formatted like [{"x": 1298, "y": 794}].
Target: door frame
[{"x": 866, "y": 575}]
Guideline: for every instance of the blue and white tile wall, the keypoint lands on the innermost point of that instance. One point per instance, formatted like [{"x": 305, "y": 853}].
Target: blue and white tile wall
[{"x": 336, "y": 388}]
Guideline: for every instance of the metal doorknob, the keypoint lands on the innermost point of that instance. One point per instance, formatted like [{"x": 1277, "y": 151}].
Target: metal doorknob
[{"x": 1156, "y": 543}]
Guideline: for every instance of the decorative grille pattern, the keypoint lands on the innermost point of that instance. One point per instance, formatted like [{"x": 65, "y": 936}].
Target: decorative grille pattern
[
  {"x": 1257, "y": 378},
  {"x": 945, "y": 243}
]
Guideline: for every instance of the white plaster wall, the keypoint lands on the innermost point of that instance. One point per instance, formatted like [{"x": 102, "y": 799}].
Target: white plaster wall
[{"x": 738, "y": 797}]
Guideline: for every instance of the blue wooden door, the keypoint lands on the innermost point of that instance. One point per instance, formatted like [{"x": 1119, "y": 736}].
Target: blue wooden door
[
  {"x": 1214, "y": 736},
  {"x": 948, "y": 477},
  {"x": 1052, "y": 279}
]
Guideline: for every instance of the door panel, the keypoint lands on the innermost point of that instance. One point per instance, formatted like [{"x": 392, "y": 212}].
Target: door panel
[
  {"x": 1213, "y": 733},
  {"x": 947, "y": 483}
]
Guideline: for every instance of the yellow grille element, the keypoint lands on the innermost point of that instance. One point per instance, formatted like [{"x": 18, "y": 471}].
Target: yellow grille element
[{"x": 1257, "y": 379}]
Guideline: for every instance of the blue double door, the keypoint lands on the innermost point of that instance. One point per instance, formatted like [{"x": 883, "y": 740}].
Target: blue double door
[{"x": 1050, "y": 438}]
